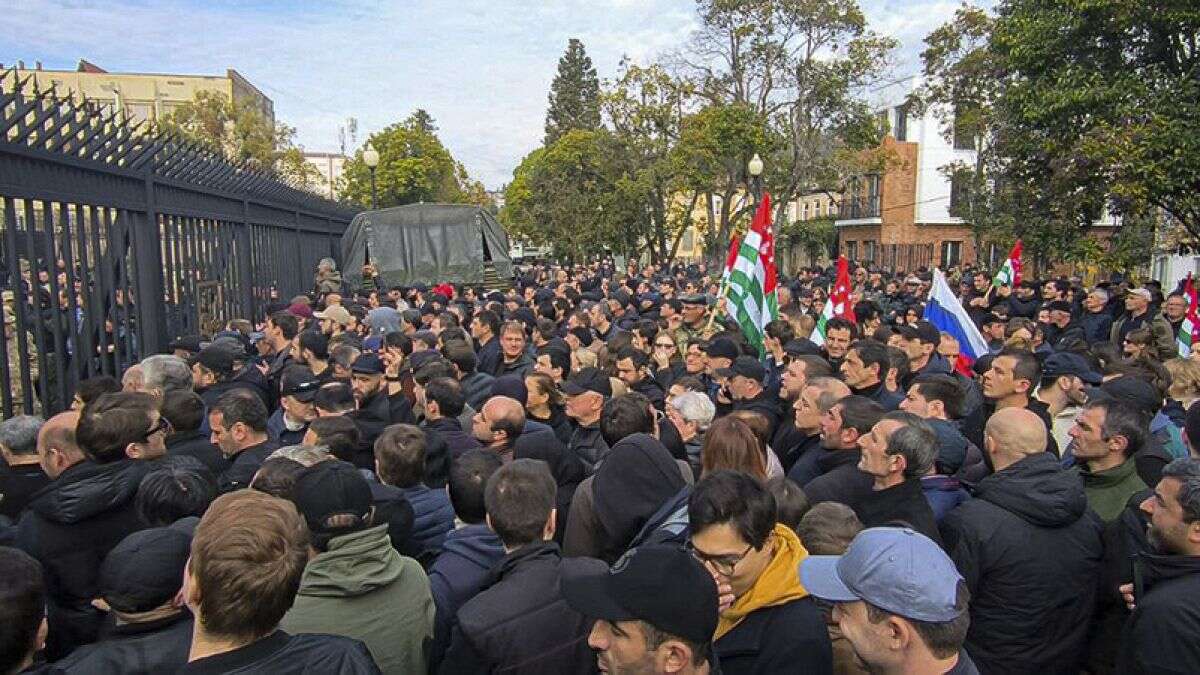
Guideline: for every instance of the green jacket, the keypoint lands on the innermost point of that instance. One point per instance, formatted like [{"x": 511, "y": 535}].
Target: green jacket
[
  {"x": 1109, "y": 491},
  {"x": 363, "y": 589}
]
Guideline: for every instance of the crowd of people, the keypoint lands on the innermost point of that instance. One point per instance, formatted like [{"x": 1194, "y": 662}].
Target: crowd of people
[{"x": 595, "y": 471}]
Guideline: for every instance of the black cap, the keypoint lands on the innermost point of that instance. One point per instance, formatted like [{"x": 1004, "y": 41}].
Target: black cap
[
  {"x": 722, "y": 347},
  {"x": 991, "y": 319},
  {"x": 924, "y": 331},
  {"x": 188, "y": 343},
  {"x": 217, "y": 358},
  {"x": 663, "y": 585},
  {"x": 145, "y": 570},
  {"x": 1133, "y": 390},
  {"x": 746, "y": 366},
  {"x": 299, "y": 383},
  {"x": 693, "y": 299},
  {"x": 1066, "y": 363},
  {"x": 588, "y": 379},
  {"x": 1059, "y": 306},
  {"x": 332, "y": 488},
  {"x": 367, "y": 364}
]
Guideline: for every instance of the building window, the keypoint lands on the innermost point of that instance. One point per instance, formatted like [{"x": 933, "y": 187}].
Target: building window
[
  {"x": 852, "y": 250},
  {"x": 964, "y": 132},
  {"x": 869, "y": 251},
  {"x": 805, "y": 211},
  {"x": 881, "y": 118},
  {"x": 958, "y": 194},
  {"x": 901, "y": 122},
  {"x": 951, "y": 253}
]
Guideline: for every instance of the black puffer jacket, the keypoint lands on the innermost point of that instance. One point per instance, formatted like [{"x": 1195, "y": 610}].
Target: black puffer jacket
[
  {"x": 1030, "y": 551},
  {"x": 1160, "y": 636},
  {"x": 69, "y": 527},
  {"x": 589, "y": 446},
  {"x": 135, "y": 649},
  {"x": 520, "y": 622}
]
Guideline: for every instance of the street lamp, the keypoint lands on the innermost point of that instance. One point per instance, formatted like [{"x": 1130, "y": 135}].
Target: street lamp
[
  {"x": 755, "y": 167},
  {"x": 371, "y": 159}
]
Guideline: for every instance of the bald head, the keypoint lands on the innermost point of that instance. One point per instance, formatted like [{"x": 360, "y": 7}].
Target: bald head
[
  {"x": 500, "y": 421},
  {"x": 1012, "y": 434},
  {"x": 56, "y": 445}
]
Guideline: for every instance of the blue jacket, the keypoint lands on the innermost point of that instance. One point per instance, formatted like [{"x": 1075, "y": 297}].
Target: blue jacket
[
  {"x": 433, "y": 518},
  {"x": 468, "y": 554},
  {"x": 280, "y": 434},
  {"x": 943, "y": 493}
]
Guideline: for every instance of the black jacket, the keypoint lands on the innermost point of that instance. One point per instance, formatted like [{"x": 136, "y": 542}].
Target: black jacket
[
  {"x": 18, "y": 485},
  {"x": 69, "y": 527},
  {"x": 1097, "y": 326},
  {"x": 764, "y": 404},
  {"x": 840, "y": 480},
  {"x": 244, "y": 465},
  {"x": 880, "y": 394},
  {"x": 520, "y": 622},
  {"x": 489, "y": 357},
  {"x": 904, "y": 504},
  {"x": 1030, "y": 551},
  {"x": 451, "y": 432},
  {"x": 653, "y": 390},
  {"x": 135, "y": 649},
  {"x": 787, "y": 638},
  {"x": 477, "y": 388},
  {"x": 589, "y": 446},
  {"x": 559, "y": 422},
  {"x": 283, "y": 654},
  {"x": 804, "y": 460},
  {"x": 1160, "y": 635},
  {"x": 374, "y": 414},
  {"x": 195, "y": 444}
]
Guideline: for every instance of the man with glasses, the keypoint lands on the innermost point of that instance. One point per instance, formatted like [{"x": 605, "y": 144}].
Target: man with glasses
[{"x": 772, "y": 625}]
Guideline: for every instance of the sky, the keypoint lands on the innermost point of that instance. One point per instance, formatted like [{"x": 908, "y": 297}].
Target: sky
[{"x": 482, "y": 68}]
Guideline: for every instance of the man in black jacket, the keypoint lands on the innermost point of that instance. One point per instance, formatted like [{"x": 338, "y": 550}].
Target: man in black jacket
[
  {"x": 840, "y": 479},
  {"x": 586, "y": 392},
  {"x": 633, "y": 368},
  {"x": 376, "y": 410},
  {"x": 239, "y": 428},
  {"x": 520, "y": 622},
  {"x": 444, "y": 402},
  {"x": 185, "y": 411},
  {"x": 745, "y": 385},
  {"x": 898, "y": 451},
  {"x": 1160, "y": 635},
  {"x": 139, "y": 581},
  {"x": 21, "y": 474},
  {"x": 864, "y": 368},
  {"x": 1030, "y": 550},
  {"x": 75, "y": 521},
  {"x": 247, "y": 557}
]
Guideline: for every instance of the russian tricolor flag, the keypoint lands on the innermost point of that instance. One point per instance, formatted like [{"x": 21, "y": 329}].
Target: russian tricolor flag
[{"x": 947, "y": 314}]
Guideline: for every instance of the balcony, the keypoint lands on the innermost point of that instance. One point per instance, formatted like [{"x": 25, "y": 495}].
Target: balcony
[{"x": 859, "y": 207}]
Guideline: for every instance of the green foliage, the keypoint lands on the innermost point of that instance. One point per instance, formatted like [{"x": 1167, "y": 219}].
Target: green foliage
[
  {"x": 239, "y": 130},
  {"x": 574, "y": 94},
  {"x": 815, "y": 237},
  {"x": 414, "y": 167}
]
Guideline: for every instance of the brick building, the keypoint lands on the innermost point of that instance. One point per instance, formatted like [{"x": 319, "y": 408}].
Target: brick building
[{"x": 901, "y": 219}]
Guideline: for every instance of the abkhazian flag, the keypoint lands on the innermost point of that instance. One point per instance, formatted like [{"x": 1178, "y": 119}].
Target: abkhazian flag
[
  {"x": 1189, "y": 330},
  {"x": 838, "y": 303},
  {"x": 751, "y": 289},
  {"x": 1010, "y": 272},
  {"x": 734, "y": 247}
]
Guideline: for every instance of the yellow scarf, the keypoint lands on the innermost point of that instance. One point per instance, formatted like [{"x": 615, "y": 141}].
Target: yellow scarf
[{"x": 778, "y": 584}]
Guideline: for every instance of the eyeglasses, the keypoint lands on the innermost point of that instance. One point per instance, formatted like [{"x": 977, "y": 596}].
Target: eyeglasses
[
  {"x": 724, "y": 564},
  {"x": 163, "y": 425}
]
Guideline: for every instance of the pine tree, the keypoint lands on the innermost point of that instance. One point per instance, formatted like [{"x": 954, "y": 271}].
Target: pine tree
[
  {"x": 574, "y": 94},
  {"x": 423, "y": 121}
]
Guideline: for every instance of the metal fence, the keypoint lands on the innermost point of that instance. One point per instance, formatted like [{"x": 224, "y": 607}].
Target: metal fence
[{"x": 114, "y": 239}]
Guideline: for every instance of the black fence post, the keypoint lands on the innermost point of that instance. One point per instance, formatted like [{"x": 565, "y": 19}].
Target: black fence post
[
  {"x": 148, "y": 260},
  {"x": 248, "y": 276}
]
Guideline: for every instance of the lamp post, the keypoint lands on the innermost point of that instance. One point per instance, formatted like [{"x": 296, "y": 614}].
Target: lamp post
[
  {"x": 371, "y": 159},
  {"x": 755, "y": 167}
]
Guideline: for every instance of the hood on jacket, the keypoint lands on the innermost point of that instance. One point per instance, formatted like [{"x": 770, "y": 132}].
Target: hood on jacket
[
  {"x": 1038, "y": 490},
  {"x": 637, "y": 476},
  {"x": 937, "y": 365},
  {"x": 355, "y": 564},
  {"x": 1156, "y": 568},
  {"x": 383, "y": 320},
  {"x": 476, "y": 544},
  {"x": 89, "y": 489}
]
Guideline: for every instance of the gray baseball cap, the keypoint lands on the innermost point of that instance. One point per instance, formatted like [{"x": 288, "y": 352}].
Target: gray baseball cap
[{"x": 896, "y": 569}]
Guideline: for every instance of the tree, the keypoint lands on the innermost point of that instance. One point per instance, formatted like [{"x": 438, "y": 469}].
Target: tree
[
  {"x": 242, "y": 133},
  {"x": 414, "y": 167},
  {"x": 574, "y": 94}
]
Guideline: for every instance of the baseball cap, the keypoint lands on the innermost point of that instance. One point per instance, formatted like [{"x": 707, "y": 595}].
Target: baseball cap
[
  {"x": 301, "y": 310},
  {"x": 588, "y": 379},
  {"x": 145, "y": 570},
  {"x": 1066, "y": 363},
  {"x": 299, "y": 383},
  {"x": 338, "y": 314},
  {"x": 367, "y": 364},
  {"x": 693, "y": 299},
  {"x": 188, "y": 343},
  {"x": 924, "y": 331},
  {"x": 722, "y": 347},
  {"x": 896, "y": 569},
  {"x": 746, "y": 366},
  {"x": 217, "y": 357},
  {"x": 1133, "y": 390},
  {"x": 332, "y": 488},
  {"x": 662, "y": 585}
]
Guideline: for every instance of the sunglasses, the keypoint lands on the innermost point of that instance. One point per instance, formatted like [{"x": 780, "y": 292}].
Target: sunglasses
[{"x": 162, "y": 425}]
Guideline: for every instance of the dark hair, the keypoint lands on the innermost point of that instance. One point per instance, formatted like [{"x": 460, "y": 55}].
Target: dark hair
[
  {"x": 277, "y": 477},
  {"x": 459, "y": 353},
  {"x": 859, "y": 413},
  {"x": 448, "y": 394},
  {"x": 915, "y": 441},
  {"x": 625, "y": 415},
  {"x": 334, "y": 397},
  {"x": 433, "y": 370},
  {"x": 737, "y": 499},
  {"x": 287, "y": 323},
  {"x": 828, "y": 528},
  {"x": 398, "y": 340},
  {"x": 339, "y": 433},
  {"x": 489, "y": 319},
  {"x": 235, "y": 406},
  {"x": 638, "y": 357},
  {"x": 183, "y": 409},
  {"x": 873, "y": 353},
  {"x": 559, "y": 358},
  {"x": 838, "y": 322},
  {"x": 1025, "y": 366},
  {"x": 448, "y": 320},
  {"x": 1122, "y": 419},
  {"x": 316, "y": 343},
  {"x": 943, "y": 638},
  {"x": 400, "y": 452},
  {"x": 814, "y": 366},
  {"x": 519, "y": 498},
  {"x": 781, "y": 330},
  {"x": 113, "y": 421},
  {"x": 469, "y": 474},
  {"x": 1187, "y": 471},
  {"x": 167, "y": 494},
  {"x": 691, "y": 383},
  {"x": 91, "y": 389},
  {"x": 941, "y": 387},
  {"x": 22, "y": 607},
  {"x": 790, "y": 502}
]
